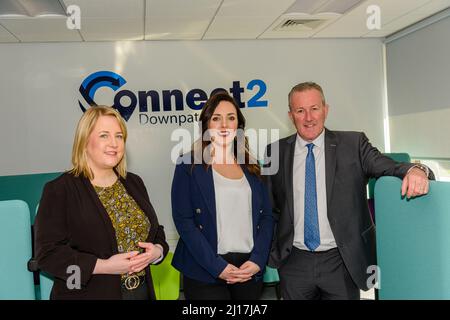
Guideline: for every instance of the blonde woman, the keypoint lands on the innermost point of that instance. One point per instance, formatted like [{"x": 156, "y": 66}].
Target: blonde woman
[{"x": 98, "y": 217}]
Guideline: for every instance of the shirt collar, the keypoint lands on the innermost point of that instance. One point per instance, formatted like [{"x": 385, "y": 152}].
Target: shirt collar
[{"x": 318, "y": 142}]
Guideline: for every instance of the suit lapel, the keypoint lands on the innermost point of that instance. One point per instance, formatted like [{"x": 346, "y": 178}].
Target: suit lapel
[
  {"x": 205, "y": 182},
  {"x": 103, "y": 213},
  {"x": 330, "y": 162},
  {"x": 288, "y": 165},
  {"x": 252, "y": 181}
]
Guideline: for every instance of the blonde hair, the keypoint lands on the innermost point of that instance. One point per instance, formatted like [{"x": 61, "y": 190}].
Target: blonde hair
[{"x": 84, "y": 129}]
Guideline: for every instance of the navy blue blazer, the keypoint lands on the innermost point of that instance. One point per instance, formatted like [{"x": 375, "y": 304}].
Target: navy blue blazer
[{"x": 194, "y": 214}]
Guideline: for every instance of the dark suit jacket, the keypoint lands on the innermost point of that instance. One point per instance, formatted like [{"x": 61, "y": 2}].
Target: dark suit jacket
[
  {"x": 350, "y": 160},
  {"x": 194, "y": 214},
  {"x": 73, "y": 228}
]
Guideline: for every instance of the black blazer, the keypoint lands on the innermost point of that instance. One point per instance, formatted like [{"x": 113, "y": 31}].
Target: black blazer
[
  {"x": 350, "y": 160},
  {"x": 73, "y": 228}
]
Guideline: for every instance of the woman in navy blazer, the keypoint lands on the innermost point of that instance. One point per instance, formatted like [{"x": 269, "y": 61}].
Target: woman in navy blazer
[{"x": 221, "y": 210}]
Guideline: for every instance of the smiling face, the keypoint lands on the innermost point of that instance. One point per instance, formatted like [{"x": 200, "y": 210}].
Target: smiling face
[
  {"x": 308, "y": 113},
  {"x": 105, "y": 146},
  {"x": 223, "y": 123}
]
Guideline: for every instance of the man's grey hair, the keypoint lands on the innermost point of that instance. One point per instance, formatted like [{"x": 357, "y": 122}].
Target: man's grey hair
[{"x": 304, "y": 86}]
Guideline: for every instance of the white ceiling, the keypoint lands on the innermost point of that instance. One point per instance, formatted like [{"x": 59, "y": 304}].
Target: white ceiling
[{"x": 111, "y": 20}]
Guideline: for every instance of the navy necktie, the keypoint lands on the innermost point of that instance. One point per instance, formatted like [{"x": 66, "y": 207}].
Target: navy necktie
[{"x": 312, "y": 234}]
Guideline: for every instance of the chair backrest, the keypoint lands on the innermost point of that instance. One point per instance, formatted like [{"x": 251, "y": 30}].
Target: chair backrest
[
  {"x": 16, "y": 282},
  {"x": 45, "y": 281},
  {"x": 46, "y": 285},
  {"x": 399, "y": 157},
  {"x": 412, "y": 241},
  {"x": 26, "y": 187},
  {"x": 166, "y": 279},
  {"x": 271, "y": 275}
]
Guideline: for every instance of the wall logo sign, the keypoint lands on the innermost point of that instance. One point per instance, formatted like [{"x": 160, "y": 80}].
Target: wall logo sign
[
  {"x": 98, "y": 80},
  {"x": 153, "y": 106}
]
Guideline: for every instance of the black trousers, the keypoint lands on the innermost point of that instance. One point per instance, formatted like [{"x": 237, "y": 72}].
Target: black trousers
[
  {"x": 249, "y": 290},
  {"x": 316, "y": 276}
]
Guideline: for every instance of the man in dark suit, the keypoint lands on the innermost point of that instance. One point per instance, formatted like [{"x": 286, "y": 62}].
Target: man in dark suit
[{"x": 324, "y": 240}]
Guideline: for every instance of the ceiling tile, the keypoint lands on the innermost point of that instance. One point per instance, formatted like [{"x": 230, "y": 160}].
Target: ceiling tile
[
  {"x": 109, "y": 8},
  {"x": 5, "y": 36},
  {"x": 116, "y": 20},
  {"x": 354, "y": 23},
  {"x": 110, "y": 20},
  {"x": 410, "y": 18},
  {"x": 178, "y": 19},
  {"x": 112, "y": 29},
  {"x": 40, "y": 29},
  {"x": 245, "y": 19}
]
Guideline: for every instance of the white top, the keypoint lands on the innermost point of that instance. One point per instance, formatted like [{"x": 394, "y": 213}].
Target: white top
[
  {"x": 327, "y": 240},
  {"x": 234, "y": 214}
]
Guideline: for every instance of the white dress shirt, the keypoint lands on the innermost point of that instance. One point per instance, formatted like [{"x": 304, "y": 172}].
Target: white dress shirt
[{"x": 327, "y": 240}]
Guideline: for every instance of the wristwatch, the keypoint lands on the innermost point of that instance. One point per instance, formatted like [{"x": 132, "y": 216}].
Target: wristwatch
[{"x": 422, "y": 167}]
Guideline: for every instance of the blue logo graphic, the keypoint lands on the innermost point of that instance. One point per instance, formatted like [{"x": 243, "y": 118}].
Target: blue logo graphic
[
  {"x": 166, "y": 100},
  {"x": 103, "y": 79}
]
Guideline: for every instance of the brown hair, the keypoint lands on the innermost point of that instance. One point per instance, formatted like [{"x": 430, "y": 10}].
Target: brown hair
[
  {"x": 205, "y": 116},
  {"x": 84, "y": 129}
]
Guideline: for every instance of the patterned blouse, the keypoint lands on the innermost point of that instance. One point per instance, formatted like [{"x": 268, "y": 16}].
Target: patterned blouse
[{"x": 129, "y": 221}]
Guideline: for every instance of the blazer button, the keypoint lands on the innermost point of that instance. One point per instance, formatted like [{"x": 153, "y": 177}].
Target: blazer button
[
  {"x": 198, "y": 210},
  {"x": 257, "y": 227},
  {"x": 200, "y": 227},
  {"x": 261, "y": 211}
]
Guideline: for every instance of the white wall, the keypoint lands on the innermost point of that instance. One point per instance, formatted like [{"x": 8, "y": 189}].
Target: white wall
[{"x": 39, "y": 94}]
